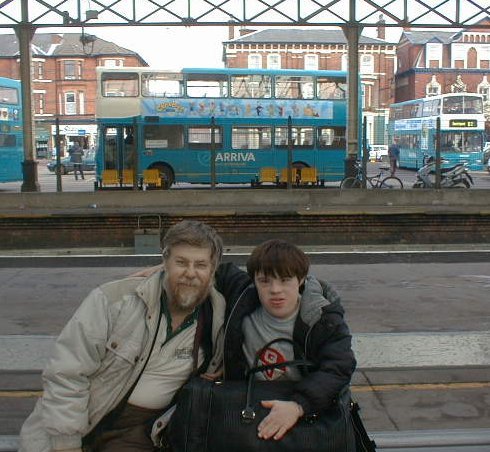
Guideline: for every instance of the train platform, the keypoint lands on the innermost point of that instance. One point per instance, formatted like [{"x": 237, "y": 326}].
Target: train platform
[
  {"x": 405, "y": 401},
  {"x": 420, "y": 333}
]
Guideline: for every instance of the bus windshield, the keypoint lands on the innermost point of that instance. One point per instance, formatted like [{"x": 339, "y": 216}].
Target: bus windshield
[{"x": 463, "y": 104}]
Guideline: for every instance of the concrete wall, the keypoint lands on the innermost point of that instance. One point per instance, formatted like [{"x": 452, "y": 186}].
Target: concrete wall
[{"x": 175, "y": 201}]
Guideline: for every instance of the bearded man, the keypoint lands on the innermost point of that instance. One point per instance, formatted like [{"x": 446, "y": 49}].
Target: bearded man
[{"x": 129, "y": 347}]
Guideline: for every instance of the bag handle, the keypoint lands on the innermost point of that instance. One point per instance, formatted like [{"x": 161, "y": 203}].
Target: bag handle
[{"x": 248, "y": 413}]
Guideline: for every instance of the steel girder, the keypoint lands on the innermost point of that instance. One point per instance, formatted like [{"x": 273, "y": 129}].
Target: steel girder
[{"x": 364, "y": 13}]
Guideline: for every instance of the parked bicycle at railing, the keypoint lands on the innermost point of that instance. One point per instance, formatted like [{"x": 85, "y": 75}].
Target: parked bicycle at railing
[{"x": 379, "y": 180}]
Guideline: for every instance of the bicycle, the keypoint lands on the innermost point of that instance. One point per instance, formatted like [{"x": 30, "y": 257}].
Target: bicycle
[{"x": 376, "y": 181}]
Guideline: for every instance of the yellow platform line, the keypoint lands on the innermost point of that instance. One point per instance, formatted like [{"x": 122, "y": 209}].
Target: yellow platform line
[{"x": 355, "y": 388}]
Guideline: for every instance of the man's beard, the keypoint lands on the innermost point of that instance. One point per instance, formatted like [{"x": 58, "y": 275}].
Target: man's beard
[{"x": 185, "y": 296}]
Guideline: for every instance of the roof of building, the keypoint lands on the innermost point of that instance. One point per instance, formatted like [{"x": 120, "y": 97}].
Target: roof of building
[
  {"x": 62, "y": 44},
  {"x": 423, "y": 37},
  {"x": 301, "y": 36}
]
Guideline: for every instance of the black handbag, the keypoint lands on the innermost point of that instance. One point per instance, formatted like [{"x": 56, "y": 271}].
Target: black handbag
[{"x": 224, "y": 416}]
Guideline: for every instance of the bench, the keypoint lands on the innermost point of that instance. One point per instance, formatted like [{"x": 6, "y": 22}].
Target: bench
[{"x": 374, "y": 351}]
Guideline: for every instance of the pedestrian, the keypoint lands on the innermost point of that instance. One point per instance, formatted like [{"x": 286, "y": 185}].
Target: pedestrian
[
  {"x": 128, "y": 348},
  {"x": 76, "y": 157},
  {"x": 273, "y": 303},
  {"x": 394, "y": 156}
]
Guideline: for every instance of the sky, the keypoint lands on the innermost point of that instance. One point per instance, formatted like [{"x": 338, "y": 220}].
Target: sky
[
  {"x": 170, "y": 47},
  {"x": 178, "y": 47}
]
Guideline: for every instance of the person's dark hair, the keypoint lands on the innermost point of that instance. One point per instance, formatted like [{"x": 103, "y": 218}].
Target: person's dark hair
[
  {"x": 193, "y": 233},
  {"x": 278, "y": 258}
]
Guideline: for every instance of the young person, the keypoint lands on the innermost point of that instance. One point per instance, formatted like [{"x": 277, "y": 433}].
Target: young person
[
  {"x": 128, "y": 348},
  {"x": 268, "y": 302}
]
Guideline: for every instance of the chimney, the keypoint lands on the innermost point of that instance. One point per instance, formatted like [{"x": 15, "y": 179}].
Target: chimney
[
  {"x": 245, "y": 31},
  {"x": 381, "y": 30},
  {"x": 231, "y": 30}
]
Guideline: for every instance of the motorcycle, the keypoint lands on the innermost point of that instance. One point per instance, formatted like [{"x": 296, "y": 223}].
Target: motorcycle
[{"x": 455, "y": 177}]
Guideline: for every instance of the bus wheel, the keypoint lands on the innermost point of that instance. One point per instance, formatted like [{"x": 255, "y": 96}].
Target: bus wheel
[{"x": 167, "y": 175}]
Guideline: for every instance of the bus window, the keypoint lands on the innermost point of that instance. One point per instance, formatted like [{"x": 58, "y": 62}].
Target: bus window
[
  {"x": 160, "y": 136},
  {"x": 207, "y": 85},
  {"x": 302, "y": 137},
  {"x": 251, "y": 86},
  {"x": 7, "y": 141},
  {"x": 427, "y": 110},
  {"x": 200, "y": 137},
  {"x": 331, "y": 137},
  {"x": 293, "y": 87},
  {"x": 158, "y": 84},
  {"x": 453, "y": 105},
  {"x": 251, "y": 137},
  {"x": 120, "y": 84},
  {"x": 9, "y": 95},
  {"x": 473, "y": 105},
  {"x": 331, "y": 88}
]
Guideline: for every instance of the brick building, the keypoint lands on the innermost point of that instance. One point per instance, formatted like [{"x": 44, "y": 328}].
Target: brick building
[
  {"x": 63, "y": 82},
  {"x": 322, "y": 49},
  {"x": 438, "y": 62}
]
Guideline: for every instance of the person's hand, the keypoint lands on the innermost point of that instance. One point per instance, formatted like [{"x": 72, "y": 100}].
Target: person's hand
[
  {"x": 282, "y": 417},
  {"x": 212, "y": 376},
  {"x": 147, "y": 271}
]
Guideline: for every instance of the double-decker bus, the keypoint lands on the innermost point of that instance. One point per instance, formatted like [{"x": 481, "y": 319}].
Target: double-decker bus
[
  {"x": 462, "y": 129},
  {"x": 176, "y": 121},
  {"x": 11, "y": 138}
]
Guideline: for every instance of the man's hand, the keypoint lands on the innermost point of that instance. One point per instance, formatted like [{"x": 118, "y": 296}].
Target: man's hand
[{"x": 283, "y": 417}]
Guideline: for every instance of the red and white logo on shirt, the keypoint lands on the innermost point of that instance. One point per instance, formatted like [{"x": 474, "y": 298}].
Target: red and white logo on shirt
[{"x": 272, "y": 356}]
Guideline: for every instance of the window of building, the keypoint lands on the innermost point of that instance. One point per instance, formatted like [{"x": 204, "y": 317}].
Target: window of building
[
  {"x": 344, "y": 65},
  {"x": 112, "y": 62},
  {"x": 72, "y": 69},
  {"x": 484, "y": 54},
  {"x": 255, "y": 61},
  {"x": 39, "y": 103},
  {"x": 274, "y": 61},
  {"x": 433, "y": 54},
  {"x": 366, "y": 64},
  {"x": 458, "y": 54},
  {"x": 70, "y": 104},
  {"x": 81, "y": 98},
  {"x": 38, "y": 69},
  {"x": 433, "y": 88},
  {"x": 484, "y": 89},
  {"x": 311, "y": 62}
]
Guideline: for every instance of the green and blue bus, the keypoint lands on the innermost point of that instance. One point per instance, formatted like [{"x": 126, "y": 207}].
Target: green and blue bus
[
  {"x": 176, "y": 121},
  {"x": 462, "y": 129},
  {"x": 11, "y": 137}
]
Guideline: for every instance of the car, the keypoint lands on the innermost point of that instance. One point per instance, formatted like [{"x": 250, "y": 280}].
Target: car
[
  {"x": 66, "y": 166},
  {"x": 378, "y": 152},
  {"x": 486, "y": 155}
]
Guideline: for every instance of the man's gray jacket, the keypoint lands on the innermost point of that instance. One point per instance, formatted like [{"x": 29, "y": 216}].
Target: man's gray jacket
[{"x": 98, "y": 357}]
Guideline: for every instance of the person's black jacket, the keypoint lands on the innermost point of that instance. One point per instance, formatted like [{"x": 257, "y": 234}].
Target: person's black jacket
[{"x": 320, "y": 330}]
